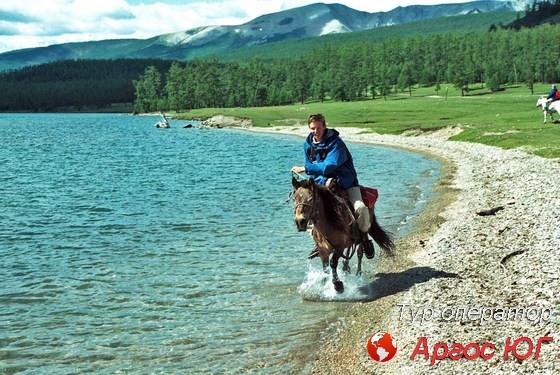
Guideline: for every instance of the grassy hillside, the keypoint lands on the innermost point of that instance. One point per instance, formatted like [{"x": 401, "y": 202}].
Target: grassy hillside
[
  {"x": 507, "y": 119},
  {"x": 457, "y": 24}
]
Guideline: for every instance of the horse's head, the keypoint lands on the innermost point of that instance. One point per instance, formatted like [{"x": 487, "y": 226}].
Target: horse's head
[
  {"x": 541, "y": 102},
  {"x": 304, "y": 202}
]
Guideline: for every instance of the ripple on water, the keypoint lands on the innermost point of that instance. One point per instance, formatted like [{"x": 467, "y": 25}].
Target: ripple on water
[{"x": 126, "y": 249}]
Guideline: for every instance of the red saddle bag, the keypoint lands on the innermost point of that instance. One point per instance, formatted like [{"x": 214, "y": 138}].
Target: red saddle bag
[{"x": 369, "y": 195}]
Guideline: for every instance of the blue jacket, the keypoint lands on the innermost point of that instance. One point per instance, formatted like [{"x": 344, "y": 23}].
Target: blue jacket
[
  {"x": 330, "y": 159},
  {"x": 552, "y": 94}
]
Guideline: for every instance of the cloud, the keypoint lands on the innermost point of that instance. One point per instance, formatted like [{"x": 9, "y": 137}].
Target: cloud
[{"x": 61, "y": 21}]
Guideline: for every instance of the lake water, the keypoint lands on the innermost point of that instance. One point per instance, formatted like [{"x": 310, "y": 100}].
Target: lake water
[{"x": 130, "y": 249}]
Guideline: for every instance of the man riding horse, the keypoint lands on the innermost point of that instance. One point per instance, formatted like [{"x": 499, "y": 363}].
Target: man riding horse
[
  {"x": 553, "y": 95},
  {"x": 329, "y": 162}
]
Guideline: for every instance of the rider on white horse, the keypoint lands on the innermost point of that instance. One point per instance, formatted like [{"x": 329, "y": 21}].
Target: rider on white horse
[
  {"x": 548, "y": 106},
  {"x": 553, "y": 95}
]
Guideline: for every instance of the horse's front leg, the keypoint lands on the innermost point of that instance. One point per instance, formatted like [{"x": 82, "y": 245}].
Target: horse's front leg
[
  {"x": 325, "y": 266},
  {"x": 345, "y": 265},
  {"x": 544, "y": 112},
  {"x": 338, "y": 285}
]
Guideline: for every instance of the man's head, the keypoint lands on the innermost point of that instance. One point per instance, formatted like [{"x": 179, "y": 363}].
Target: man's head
[{"x": 317, "y": 125}]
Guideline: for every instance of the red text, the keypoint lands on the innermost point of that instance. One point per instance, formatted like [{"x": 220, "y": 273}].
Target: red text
[{"x": 473, "y": 350}]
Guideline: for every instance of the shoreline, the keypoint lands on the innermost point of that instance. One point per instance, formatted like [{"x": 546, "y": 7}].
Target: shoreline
[{"x": 454, "y": 258}]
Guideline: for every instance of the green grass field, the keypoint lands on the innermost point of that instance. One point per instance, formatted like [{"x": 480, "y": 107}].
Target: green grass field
[{"x": 507, "y": 119}]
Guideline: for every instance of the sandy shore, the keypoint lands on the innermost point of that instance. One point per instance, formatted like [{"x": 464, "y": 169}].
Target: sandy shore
[{"x": 461, "y": 277}]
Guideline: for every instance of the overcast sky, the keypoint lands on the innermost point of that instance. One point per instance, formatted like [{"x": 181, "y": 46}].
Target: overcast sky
[{"x": 39, "y": 23}]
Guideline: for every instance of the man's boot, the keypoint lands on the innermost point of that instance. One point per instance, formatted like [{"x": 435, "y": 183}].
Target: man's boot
[{"x": 367, "y": 246}]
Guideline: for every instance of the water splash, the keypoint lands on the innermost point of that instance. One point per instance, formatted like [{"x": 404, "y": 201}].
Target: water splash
[{"x": 318, "y": 286}]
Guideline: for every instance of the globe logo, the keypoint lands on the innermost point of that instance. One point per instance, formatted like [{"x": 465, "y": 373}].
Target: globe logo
[{"x": 382, "y": 347}]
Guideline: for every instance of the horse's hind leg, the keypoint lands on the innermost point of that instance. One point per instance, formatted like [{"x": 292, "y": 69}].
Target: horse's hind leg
[
  {"x": 360, "y": 256},
  {"x": 338, "y": 285}
]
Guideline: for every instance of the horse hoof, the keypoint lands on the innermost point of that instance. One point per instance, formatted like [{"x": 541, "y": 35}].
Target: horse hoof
[{"x": 338, "y": 286}]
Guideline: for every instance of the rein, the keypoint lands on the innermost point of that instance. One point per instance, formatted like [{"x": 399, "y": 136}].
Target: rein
[
  {"x": 350, "y": 252},
  {"x": 312, "y": 205},
  {"x": 307, "y": 205}
]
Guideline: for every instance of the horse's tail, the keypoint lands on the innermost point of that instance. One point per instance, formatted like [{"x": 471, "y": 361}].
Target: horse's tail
[{"x": 383, "y": 238}]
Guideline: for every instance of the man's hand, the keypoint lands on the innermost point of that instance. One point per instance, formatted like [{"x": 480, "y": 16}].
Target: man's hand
[{"x": 331, "y": 183}]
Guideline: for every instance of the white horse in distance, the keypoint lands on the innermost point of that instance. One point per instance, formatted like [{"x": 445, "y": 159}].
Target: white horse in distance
[{"x": 552, "y": 107}]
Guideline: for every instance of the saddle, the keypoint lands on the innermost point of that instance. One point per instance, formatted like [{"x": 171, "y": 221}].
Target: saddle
[{"x": 369, "y": 195}]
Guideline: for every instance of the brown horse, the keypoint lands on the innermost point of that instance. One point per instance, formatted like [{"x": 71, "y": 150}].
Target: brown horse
[{"x": 334, "y": 228}]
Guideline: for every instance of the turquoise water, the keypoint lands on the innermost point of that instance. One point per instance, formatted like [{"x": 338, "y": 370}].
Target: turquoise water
[{"x": 130, "y": 249}]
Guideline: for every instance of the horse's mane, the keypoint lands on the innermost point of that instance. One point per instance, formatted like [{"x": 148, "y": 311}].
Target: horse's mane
[{"x": 336, "y": 209}]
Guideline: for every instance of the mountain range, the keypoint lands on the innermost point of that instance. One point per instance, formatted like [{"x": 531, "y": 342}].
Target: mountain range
[{"x": 309, "y": 21}]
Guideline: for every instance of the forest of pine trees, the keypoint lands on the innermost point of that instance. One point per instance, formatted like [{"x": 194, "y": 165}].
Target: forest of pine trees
[
  {"x": 73, "y": 84},
  {"x": 357, "y": 71}
]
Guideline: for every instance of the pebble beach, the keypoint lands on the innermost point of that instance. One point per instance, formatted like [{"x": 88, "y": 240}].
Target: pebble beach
[{"x": 481, "y": 267}]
